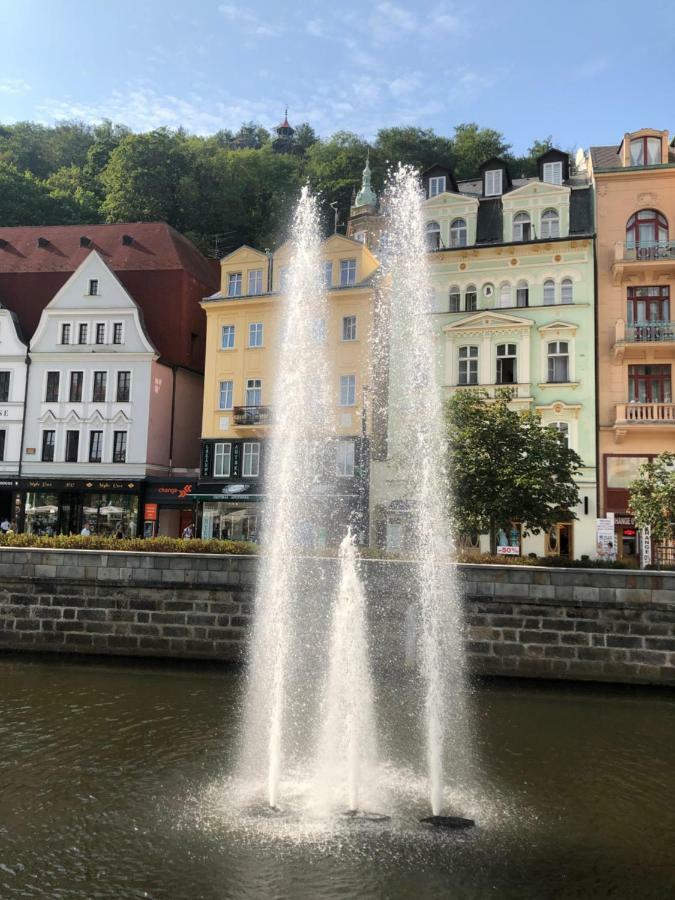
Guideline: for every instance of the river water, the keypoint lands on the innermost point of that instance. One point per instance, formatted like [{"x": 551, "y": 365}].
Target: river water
[{"x": 115, "y": 783}]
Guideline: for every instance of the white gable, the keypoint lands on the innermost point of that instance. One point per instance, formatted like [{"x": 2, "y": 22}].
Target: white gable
[{"x": 10, "y": 344}]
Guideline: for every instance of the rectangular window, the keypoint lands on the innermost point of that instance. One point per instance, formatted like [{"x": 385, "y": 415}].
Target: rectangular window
[
  {"x": 255, "y": 334},
  {"x": 345, "y": 459},
  {"x": 100, "y": 333},
  {"x": 493, "y": 182},
  {"x": 319, "y": 331},
  {"x": 558, "y": 361},
  {"x": 225, "y": 394},
  {"x": 283, "y": 278},
  {"x": 99, "y": 388},
  {"x": 349, "y": 328},
  {"x": 328, "y": 273},
  {"x": 347, "y": 272},
  {"x": 3, "y": 435},
  {"x": 347, "y": 390},
  {"x": 95, "y": 446},
  {"x": 4, "y": 387},
  {"x": 72, "y": 446},
  {"x": 82, "y": 333},
  {"x": 93, "y": 287},
  {"x": 649, "y": 305},
  {"x": 65, "y": 333},
  {"x": 553, "y": 172},
  {"x": 234, "y": 284},
  {"x": 75, "y": 387},
  {"x": 221, "y": 460},
  {"x": 436, "y": 186},
  {"x": 255, "y": 281},
  {"x": 563, "y": 430},
  {"x": 227, "y": 337},
  {"x": 649, "y": 384},
  {"x": 468, "y": 365},
  {"x": 123, "y": 387},
  {"x": 471, "y": 299},
  {"x": 117, "y": 333},
  {"x": 48, "y": 444},
  {"x": 119, "y": 446},
  {"x": 506, "y": 364},
  {"x": 52, "y": 392},
  {"x": 251, "y": 467},
  {"x": 254, "y": 392}
]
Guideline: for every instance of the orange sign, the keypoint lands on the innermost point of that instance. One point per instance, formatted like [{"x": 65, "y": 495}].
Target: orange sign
[{"x": 150, "y": 514}]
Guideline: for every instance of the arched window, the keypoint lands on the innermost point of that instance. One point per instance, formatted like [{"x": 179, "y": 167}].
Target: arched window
[
  {"x": 522, "y": 293},
  {"x": 644, "y": 230},
  {"x": 433, "y": 234},
  {"x": 505, "y": 294},
  {"x": 521, "y": 227},
  {"x": 567, "y": 291},
  {"x": 558, "y": 362},
  {"x": 458, "y": 233},
  {"x": 454, "y": 298},
  {"x": 549, "y": 292},
  {"x": 470, "y": 298},
  {"x": 468, "y": 365},
  {"x": 550, "y": 224}
]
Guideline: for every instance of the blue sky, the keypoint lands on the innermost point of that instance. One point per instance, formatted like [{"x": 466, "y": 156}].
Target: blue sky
[{"x": 584, "y": 72}]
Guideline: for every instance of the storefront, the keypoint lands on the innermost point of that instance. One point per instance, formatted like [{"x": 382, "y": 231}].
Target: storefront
[
  {"x": 169, "y": 506},
  {"x": 48, "y": 506},
  {"x": 232, "y": 513},
  {"x": 620, "y": 471}
]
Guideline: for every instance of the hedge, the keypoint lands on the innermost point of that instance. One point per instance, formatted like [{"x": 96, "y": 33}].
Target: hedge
[{"x": 144, "y": 545}]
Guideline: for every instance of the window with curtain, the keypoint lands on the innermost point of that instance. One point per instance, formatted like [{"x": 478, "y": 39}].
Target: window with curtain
[
  {"x": 458, "y": 233},
  {"x": 468, "y": 365},
  {"x": 549, "y": 292},
  {"x": 522, "y": 293},
  {"x": 505, "y": 294},
  {"x": 454, "y": 298},
  {"x": 567, "y": 291},
  {"x": 433, "y": 235},
  {"x": 558, "y": 361},
  {"x": 522, "y": 227},
  {"x": 550, "y": 224}
]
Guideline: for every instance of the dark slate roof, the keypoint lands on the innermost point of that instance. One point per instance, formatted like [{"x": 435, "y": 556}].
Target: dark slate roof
[
  {"x": 605, "y": 157},
  {"x": 581, "y": 211},
  {"x": 489, "y": 224}
]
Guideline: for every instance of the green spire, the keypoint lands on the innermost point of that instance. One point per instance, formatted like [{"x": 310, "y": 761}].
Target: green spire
[{"x": 366, "y": 196}]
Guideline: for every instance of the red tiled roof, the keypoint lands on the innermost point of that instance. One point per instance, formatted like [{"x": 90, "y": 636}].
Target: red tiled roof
[{"x": 155, "y": 245}]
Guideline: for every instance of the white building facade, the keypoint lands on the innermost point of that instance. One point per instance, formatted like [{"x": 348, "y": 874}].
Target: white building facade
[{"x": 12, "y": 394}]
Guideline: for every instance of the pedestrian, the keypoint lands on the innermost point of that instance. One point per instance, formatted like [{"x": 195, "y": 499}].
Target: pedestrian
[
  {"x": 5, "y": 525},
  {"x": 119, "y": 534},
  {"x": 86, "y": 531},
  {"x": 188, "y": 531}
]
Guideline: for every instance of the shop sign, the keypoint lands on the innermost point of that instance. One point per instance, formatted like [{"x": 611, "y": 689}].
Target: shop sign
[
  {"x": 150, "y": 512},
  {"x": 605, "y": 541},
  {"x": 624, "y": 519},
  {"x": 506, "y": 550},
  {"x": 645, "y": 546},
  {"x": 64, "y": 484},
  {"x": 160, "y": 492}
]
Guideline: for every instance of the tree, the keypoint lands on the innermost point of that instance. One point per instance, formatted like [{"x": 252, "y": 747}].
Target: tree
[
  {"x": 334, "y": 169},
  {"x": 419, "y": 147},
  {"x": 251, "y": 137},
  {"x": 304, "y": 137},
  {"x": 69, "y": 186},
  {"x": 25, "y": 200},
  {"x": 652, "y": 496},
  {"x": 473, "y": 145},
  {"x": 504, "y": 466}
]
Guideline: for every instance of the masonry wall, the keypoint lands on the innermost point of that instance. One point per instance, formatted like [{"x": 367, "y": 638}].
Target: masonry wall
[{"x": 532, "y": 622}]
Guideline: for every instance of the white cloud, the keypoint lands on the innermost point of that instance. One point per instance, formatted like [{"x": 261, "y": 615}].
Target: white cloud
[
  {"x": 243, "y": 16},
  {"x": 404, "y": 85},
  {"x": 13, "y": 86}
]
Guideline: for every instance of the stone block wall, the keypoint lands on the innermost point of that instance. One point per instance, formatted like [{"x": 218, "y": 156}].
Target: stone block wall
[{"x": 532, "y": 622}]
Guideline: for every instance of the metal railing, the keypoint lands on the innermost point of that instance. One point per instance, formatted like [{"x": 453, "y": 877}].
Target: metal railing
[
  {"x": 251, "y": 415},
  {"x": 650, "y": 332},
  {"x": 649, "y": 250},
  {"x": 645, "y": 412}
]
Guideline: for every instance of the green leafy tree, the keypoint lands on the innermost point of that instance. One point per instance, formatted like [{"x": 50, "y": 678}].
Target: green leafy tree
[
  {"x": 419, "y": 147},
  {"x": 505, "y": 466},
  {"x": 69, "y": 187},
  {"x": 473, "y": 145},
  {"x": 652, "y": 496},
  {"x": 25, "y": 200},
  {"x": 334, "y": 169},
  {"x": 304, "y": 137},
  {"x": 251, "y": 137}
]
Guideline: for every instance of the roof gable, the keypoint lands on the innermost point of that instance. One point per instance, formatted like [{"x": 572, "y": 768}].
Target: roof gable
[
  {"x": 243, "y": 254},
  {"x": 488, "y": 320}
]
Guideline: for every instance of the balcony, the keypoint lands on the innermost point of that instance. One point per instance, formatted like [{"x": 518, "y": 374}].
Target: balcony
[
  {"x": 648, "y": 260},
  {"x": 653, "y": 339},
  {"x": 521, "y": 392},
  {"x": 651, "y": 416},
  {"x": 251, "y": 416}
]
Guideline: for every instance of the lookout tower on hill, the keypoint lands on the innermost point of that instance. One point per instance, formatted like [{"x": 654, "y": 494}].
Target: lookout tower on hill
[{"x": 284, "y": 141}]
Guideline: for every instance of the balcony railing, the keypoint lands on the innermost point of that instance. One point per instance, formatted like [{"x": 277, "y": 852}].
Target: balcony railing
[
  {"x": 645, "y": 413},
  {"x": 649, "y": 250},
  {"x": 251, "y": 415},
  {"x": 651, "y": 332}
]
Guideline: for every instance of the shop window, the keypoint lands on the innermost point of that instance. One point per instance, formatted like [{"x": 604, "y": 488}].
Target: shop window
[
  {"x": 52, "y": 389},
  {"x": 559, "y": 540},
  {"x": 251, "y": 464},
  {"x": 222, "y": 459},
  {"x": 41, "y": 513},
  {"x": 558, "y": 361},
  {"x": 119, "y": 446},
  {"x": 72, "y": 446},
  {"x": 95, "y": 446},
  {"x": 468, "y": 365},
  {"x": 48, "y": 445},
  {"x": 506, "y": 364},
  {"x": 345, "y": 459},
  {"x": 509, "y": 540},
  {"x": 471, "y": 298},
  {"x": 75, "y": 387},
  {"x": 4, "y": 386}
]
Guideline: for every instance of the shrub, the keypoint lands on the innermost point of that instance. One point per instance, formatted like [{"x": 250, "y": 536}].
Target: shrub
[{"x": 145, "y": 545}]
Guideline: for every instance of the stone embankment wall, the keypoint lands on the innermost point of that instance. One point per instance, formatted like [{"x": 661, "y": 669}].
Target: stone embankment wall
[{"x": 533, "y": 622}]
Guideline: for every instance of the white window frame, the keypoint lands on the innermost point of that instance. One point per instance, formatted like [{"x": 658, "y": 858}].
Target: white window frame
[
  {"x": 493, "y": 182},
  {"x": 550, "y": 224},
  {"x": 437, "y": 185},
  {"x": 505, "y": 297},
  {"x": 124, "y": 431},
  {"x": 347, "y": 390},
  {"x": 454, "y": 298},
  {"x": 69, "y": 326},
  {"x": 567, "y": 291},
  {"x": 255, "y": 278},
  {"x": 131, "y": 384},
  {"x": 112, "y": 337},
  {"x": 459, "y": 233},
  {"x": 470, "y": 290},
  {"x": 222, "y": 390},
  {"x": 557, "y": 353},
  {"x": 507, "y": 355},
  {"x": 549, "y": 291},
  {"x": 253, "y": 384},
  {"x": 219, "y": 453},
  {"x": 222, "y": 336},
  {"x": 250, "y": 459},
  {"x": 255, "y": 335},
  {"x": 80, "y": 326},
  {"x": 234, "y": 284},
  {"x": 347, "y": 272},
  {"x": 552, "y": 172},
  {"x": 345, "y": 459},
  {"x": 349, "y": 328},
  {"x": 283, "y": 278},
  {"x": 432, "y": 228},
  {"x": 521, "y": 221},
  {"x": 328, "y": 273},
  {"x": 97, "y": 284},
  {"x": 103, "y": 326},
  {"x": 564, "y": 429},
  {"x": 468, "y": 364},
  {"x": 522, "y": 288}
]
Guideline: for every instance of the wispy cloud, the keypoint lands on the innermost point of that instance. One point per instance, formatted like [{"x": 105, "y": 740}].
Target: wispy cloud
[
  {"x": 243, "y": 15},
  {"x": 13, "y": 86}
]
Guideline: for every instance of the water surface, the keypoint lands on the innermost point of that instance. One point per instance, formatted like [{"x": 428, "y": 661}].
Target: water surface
[{"x": 114, "y": 783}]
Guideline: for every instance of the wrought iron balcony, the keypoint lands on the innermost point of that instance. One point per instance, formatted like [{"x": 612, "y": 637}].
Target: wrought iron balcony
[
  {"x": 651, "y": 332},
  {"x": 251, "y": 415},
  {"x": 646, "y": 257},
  {"x": 649, "y": 250}
]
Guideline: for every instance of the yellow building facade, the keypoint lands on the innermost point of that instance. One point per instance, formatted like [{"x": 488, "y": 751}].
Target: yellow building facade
[{"x": 244, "y": 333}]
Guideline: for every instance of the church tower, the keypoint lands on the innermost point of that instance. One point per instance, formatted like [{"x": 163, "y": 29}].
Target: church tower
[{"x": 364, "y": 222}]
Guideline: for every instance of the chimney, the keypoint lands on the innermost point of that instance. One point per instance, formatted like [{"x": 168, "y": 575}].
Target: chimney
[
  {"x": 85, "y": 241},
  {"x": 127, "y": 240},
  {"x": 43, "y": 242}
]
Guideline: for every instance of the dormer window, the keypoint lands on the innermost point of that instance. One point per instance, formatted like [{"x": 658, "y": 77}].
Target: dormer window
[
  {"x": 493, "y": 183},
  {"x": 93, "y": 287},
  {"x": 553, "y": 173},
  {"x": 645, "y": 151},
  {"x": 234, "y": 284},
  {"x": 437, "y": 185},
  {"x": 522, "y": 227}
]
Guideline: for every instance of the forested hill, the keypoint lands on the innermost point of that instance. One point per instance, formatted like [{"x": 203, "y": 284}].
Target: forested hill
[{"x": 222, "y": 190}]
